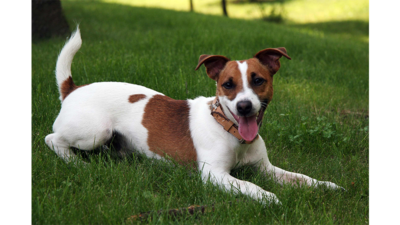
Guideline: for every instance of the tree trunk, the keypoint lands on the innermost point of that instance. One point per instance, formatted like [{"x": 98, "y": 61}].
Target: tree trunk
[
  {"x": 224, "y": 7},
  {"x": 48, "y": 20},
  {"x": 191, "y": 6}
]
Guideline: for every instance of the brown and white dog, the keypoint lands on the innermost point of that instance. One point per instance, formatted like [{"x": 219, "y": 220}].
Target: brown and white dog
[{"x": 217, "y": 133}]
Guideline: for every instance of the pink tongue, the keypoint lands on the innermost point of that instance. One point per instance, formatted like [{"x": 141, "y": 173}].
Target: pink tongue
[{"x": 248, "y": 128}]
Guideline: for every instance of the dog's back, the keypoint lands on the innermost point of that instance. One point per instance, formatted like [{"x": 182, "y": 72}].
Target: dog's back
[{"x": 92, "y": 113}]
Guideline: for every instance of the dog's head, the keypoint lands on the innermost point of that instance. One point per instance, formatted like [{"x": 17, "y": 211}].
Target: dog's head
[{"x": 244, "y": 87}]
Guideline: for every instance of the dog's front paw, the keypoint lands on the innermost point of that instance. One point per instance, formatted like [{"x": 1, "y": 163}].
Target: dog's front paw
[{"x": 269, "y": 199}]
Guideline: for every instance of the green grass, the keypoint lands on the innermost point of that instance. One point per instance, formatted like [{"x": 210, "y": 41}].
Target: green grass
[
  {"x": 317, "y": 123},
  {"x": 347, "y": 19}
]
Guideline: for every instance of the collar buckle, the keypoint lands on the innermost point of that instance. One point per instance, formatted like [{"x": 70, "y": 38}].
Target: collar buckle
[{"x": 216, "y": 105}]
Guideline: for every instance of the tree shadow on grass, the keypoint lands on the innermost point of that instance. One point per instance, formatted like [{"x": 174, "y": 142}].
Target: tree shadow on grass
[
  {"x": 246, "y": 2},
  {"x": 351, "y": 28}
]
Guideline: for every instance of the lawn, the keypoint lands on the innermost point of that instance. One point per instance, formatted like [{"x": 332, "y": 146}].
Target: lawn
[
  {"x": 317, "y": 123},
  {"x": 340, "y": 18}
]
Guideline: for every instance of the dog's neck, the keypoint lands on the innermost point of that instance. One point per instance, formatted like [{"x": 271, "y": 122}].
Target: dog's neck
[{"x": 218, "y": 113}]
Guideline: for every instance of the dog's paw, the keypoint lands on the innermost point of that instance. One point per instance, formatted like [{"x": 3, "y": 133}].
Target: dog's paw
[{"x": 270, "y": 199}]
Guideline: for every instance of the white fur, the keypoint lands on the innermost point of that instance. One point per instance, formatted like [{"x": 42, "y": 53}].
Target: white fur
[
  {"x": 245, "y": 94},
  {"x": 91, "y": 113},
  {"x": 63, "y": 67}
]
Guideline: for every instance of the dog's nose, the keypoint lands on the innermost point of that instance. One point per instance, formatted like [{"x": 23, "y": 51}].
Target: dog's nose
[{"x": 244, "y": 107}]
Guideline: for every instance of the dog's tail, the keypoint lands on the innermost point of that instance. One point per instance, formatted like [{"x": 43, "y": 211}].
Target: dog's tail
[{"x": 63, "y": 68}]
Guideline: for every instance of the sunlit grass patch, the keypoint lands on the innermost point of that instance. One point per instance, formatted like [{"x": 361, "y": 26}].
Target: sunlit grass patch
[
  {"x": 344, "y": 18},
  {"x": 299, "y": 11}
]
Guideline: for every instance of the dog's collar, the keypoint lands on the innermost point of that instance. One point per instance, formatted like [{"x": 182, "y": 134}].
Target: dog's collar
[{"x": 228, "y": 125}]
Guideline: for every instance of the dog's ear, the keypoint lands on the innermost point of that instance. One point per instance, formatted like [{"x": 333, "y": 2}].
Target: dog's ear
[
  {"x": 213, "y": 63},
  {"x": 270, "y": 58}
]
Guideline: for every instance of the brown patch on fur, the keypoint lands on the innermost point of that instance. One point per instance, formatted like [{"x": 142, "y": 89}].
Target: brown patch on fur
[
  {"x": 270, "y": 58},
  {"x": 230, "y": 73},
  {"x": 136, "y": 98},
  {"x": 67, "y": 87},
  {"x": 264, "y": 91},
  {"x": 214, "y": 64},
  {"x": 167, "y": 122}
]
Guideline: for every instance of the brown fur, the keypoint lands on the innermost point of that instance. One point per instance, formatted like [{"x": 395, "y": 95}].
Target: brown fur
[
  {"x": 136, "y": 98},
  {"x": 167, "y": 122},
  {"x": 270, "y": 58},
  {"x": 67, "y": 87},
  {"x": 213, "y": 63},
  {"x": 264, "y": 91},
  {"x": 230, "y": 72}
]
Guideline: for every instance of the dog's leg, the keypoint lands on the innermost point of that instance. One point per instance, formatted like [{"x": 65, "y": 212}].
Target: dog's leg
[
  {"x": 81, "y": 130},
  {"x": 225, "y": 181},
  {"x": 60, "y": 147},
  {"x": 258, "y": 154},
  {"x": 283, "y": 176}
]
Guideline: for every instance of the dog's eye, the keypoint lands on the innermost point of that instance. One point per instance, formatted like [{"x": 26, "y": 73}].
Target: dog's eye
[
  {"x": 227, "y": 85},
  {"x": 258, "y": 81}
]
